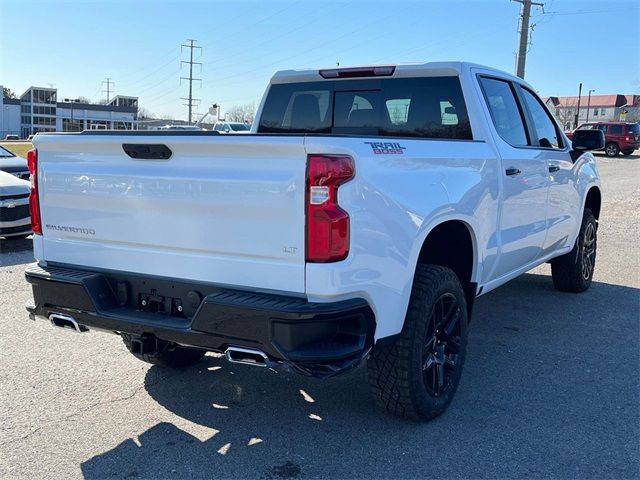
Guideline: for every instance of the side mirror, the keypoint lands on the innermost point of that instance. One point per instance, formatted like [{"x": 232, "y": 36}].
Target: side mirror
[{"x": 584, "y": 140}]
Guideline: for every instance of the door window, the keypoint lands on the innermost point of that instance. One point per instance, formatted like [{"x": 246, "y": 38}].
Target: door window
[
  {"x": 615, "y": 129},
  {"x": 544, "y": 127},
  {"x": 505, "y": 111}
]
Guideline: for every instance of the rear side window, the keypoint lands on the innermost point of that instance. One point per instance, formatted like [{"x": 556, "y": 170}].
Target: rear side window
[
  {"x": 430, "y": 107},
  {"x": 634, "y": 128},
  {"x": 505, "y": 111},
  {"x": 615, "y": 129},
  {"x": 546, "y": 130}
]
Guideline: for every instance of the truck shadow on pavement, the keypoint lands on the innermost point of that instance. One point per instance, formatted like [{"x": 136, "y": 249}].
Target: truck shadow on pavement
[
  {"x": 16, "y": 251},
  {"x": 537, "y": 360}
]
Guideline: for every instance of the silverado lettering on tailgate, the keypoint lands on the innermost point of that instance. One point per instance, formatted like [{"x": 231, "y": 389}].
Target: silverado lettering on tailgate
[{"x": 66, "y": 228}]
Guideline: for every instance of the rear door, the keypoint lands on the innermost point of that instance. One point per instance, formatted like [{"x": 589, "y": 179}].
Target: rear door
[
  {"x": 221, "y": 209},
  {"x": 525, "y": 179}
]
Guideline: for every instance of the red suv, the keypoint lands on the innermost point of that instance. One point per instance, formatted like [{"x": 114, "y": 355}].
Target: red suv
[{"x": 618, "y": 136}]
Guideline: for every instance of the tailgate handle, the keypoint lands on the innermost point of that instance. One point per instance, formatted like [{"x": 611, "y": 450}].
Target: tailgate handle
[{"x": 145, "y": 151}]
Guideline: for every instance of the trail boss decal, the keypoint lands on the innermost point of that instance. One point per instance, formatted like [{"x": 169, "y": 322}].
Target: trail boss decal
[{"x": 386, "y": 148}]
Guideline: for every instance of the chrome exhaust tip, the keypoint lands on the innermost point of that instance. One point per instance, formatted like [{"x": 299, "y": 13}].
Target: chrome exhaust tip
[
  {"x": 248, "y": 356},
  {"x": 68, "y": 323}
]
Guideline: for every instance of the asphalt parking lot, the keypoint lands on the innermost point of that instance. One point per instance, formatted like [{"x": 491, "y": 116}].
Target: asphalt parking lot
[{"x": 550, "y": 389}]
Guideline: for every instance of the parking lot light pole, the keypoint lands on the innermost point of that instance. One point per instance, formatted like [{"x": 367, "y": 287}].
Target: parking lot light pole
[
  {"x": 589, "y": 104},
  {"x": 72, "y": 101}
]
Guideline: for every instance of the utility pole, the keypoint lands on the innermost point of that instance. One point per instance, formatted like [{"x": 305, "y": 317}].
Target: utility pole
[
  {"x": 525, "y": 16},
  {"x": 575, "y": 123},
  {"x": 191, "y": 63},
  {"x": 109, "y": 84},
  {"x": 589, "y": 104}
]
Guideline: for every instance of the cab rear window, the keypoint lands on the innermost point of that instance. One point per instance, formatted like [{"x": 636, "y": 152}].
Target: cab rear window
[{"x": 430, "y": 107}]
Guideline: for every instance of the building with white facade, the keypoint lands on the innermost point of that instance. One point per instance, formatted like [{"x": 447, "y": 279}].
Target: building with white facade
[
  {"x": 9, "y": 115},
  {"x": 40, "y": 110}
]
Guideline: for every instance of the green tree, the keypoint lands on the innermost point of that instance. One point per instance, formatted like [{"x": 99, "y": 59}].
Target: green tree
[{"x": 7, "y": 93}]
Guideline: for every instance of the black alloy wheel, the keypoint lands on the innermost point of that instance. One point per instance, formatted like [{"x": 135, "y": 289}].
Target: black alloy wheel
[{"x": 440, "y": 357}]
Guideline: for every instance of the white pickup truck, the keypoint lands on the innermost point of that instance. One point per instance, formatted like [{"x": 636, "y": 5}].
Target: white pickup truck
[{"x": 358, "y": 222}]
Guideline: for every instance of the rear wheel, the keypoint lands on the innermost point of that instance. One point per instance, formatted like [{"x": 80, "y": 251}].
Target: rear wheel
[
  {"x": 167, "y": 354},
  {"x": 573, "y": 271},
  {"x": 611, "y": 149},
  {"x": 627, "y": 152},
  {"x": 418, "y": 374}
]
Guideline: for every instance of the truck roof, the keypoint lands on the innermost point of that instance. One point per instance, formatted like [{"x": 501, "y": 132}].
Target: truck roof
[{"x": 401, "y": 70}]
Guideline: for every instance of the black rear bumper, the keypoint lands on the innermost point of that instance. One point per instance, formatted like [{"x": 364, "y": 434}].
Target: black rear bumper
[{"x": 317, "y": 339}]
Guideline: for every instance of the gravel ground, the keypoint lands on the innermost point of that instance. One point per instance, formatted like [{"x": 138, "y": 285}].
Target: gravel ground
[{"x": 550, "y": 390}]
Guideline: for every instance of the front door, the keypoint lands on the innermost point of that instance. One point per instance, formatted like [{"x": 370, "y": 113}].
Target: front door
[{"x": 563, "y": 208}]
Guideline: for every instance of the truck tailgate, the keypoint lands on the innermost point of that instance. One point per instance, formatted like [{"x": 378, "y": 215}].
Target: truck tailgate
[{"x": 222, "y": 209}]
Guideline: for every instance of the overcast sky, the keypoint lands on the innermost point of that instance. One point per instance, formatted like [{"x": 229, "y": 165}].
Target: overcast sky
[{"x": 75, "y": 45}]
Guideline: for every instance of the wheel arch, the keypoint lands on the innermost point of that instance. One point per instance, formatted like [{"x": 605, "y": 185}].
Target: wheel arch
[
  {"x": 593, "y": 201},
  {"x": 452, "y": 244}
]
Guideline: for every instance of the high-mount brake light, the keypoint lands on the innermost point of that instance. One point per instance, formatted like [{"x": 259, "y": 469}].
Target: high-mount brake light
[
  {"x": 380, "y": 71},
  {"x": 327, "y": 235},
  {"x": 34, "y": 201}
]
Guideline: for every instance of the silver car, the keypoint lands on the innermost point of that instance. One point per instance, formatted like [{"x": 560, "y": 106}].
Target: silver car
[{"x": 15, "y": 221}]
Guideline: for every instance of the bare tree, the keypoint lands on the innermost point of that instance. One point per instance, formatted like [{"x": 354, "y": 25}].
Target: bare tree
[
  {"x": 566, "y": 114},
  {"x": 145, "y": 113},
  {"x": 241, "y": 113}
]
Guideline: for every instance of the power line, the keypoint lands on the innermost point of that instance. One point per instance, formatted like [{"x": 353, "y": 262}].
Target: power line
[
  {"x": 108, "y": 90},
  {"x": 141, "y": 79},
  {"x": 525, "y": 16},
  {"x": 191, "y": 63}
]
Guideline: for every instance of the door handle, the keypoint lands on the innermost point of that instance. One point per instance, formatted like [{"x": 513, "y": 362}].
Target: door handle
[
  {"x": 553, "y": 168},
  {"x": 512, "y": 171}
]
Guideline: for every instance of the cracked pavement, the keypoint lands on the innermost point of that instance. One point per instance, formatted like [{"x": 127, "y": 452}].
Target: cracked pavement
[{"x": 550, "y": 390}]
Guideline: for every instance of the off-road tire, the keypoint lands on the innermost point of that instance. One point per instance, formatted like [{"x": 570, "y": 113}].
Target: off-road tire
[
  {"x": 612, "y": 149},
  {"x": 573, "y": 271},
  {"x": 169, "y": 354},
  {"x": 396, "y": 371}
]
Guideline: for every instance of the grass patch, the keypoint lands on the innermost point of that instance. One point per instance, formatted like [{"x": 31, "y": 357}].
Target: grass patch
[{"x": 19, "y": 148}]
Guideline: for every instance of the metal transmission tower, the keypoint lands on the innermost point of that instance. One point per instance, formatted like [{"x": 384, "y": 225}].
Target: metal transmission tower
[
  {"x": 523, "y": 30},
  {"x": 191, "y": 63},
  {"x": 109, "y": 84}
]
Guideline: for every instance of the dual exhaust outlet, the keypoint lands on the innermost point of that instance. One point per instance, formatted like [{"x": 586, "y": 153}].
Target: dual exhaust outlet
[{"x": 246, "y": 356}]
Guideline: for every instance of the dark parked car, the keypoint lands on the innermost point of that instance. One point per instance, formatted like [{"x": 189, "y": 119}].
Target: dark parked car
[
  {"x": 13, "y": 164},
  {"x": 619, "y": 136}
]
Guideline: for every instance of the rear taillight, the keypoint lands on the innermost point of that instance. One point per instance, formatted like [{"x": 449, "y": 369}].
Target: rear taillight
[
  {"x": 327, "y": 223},
  {"x": 34, "y": 202}
]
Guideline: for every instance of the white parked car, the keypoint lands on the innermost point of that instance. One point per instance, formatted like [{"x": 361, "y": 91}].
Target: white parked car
[
  {"x": 15, "y": 221},
  {"x": 232, "y": 127},
  {"x": 360, "y": 230},
  {"x": 183, "y": 128}
]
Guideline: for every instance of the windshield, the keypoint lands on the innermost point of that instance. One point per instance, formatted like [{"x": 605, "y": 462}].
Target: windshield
[
  {"x": 4, "y": 153},
  {"x": 240, "y": 127},
  {"x": 427, "y": 107},
  {"x": 634, "y": 128}
]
